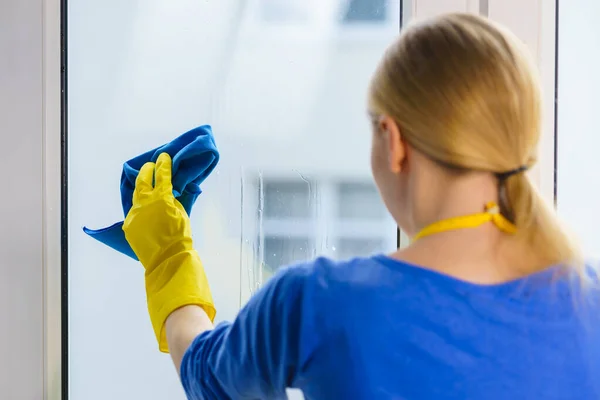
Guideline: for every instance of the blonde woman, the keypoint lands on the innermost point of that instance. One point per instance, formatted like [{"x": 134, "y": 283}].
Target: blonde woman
[{"x": 490, "y": 300}]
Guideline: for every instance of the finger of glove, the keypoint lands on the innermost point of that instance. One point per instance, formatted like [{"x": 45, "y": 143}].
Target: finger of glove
[
  {"x": 163, "y": 174},
  {"x": 143, "y": 182}
]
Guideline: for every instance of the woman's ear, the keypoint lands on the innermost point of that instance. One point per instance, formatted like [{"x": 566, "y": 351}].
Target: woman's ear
[{"x": 396, "y": 148}]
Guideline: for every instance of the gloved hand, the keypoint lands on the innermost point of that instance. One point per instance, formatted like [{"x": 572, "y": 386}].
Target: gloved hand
[{"x": 159, "y": 232}]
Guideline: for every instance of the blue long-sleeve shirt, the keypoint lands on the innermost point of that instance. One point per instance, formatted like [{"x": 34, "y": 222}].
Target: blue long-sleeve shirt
[{"x": 376, "y": 328}]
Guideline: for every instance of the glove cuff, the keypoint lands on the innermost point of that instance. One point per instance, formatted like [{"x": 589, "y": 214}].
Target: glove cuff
[{"x": 178, "y": 281}]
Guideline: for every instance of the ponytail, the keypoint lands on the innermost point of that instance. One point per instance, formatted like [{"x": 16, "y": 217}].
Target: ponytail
[{"x": 538, "y": 227}]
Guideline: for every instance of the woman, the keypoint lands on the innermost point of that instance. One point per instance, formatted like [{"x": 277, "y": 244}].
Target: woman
[{"x": 490, "y": 300}]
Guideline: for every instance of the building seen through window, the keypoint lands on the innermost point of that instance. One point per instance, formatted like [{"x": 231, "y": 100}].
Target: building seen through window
[
  {"x": 365, "y": 11},
  {"x": 350, "y": 11},
  {"x": 303, "y": 219}
]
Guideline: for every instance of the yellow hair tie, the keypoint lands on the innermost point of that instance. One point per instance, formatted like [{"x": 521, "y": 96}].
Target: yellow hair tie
[{"x": 491, "y": 214}]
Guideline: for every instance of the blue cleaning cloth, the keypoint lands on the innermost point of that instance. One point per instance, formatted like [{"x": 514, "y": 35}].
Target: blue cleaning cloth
[{"x": 194, "y": 156}]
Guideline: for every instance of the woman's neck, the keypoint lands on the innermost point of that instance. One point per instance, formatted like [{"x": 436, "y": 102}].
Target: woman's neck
[
  {"x": 483, "y": 254},
  {"x": 450, "y": 196}
]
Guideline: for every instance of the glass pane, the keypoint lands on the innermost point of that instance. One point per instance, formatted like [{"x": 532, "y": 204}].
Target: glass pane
[
  {"x": 358, "y": 200},
  {"x": 578, "y": 164},
  {"x": 366, "y": 11},
  {"x": 281, "y": 251},
  {"x": 281, "y": 102},
  {"x": 351, "y": 247},
  {"x": 285, "y": 10},
  {"x": 287, "y": 199}
]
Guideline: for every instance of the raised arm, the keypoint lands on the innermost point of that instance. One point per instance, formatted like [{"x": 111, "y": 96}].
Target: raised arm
[{"x": 256, "y": 356}]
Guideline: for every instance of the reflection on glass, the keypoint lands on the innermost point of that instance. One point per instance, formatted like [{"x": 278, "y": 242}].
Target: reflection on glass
[{"x": 283, "y": 83}]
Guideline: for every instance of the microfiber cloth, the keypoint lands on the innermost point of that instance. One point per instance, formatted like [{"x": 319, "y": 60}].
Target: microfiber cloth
[{"x": 194, "y": 156}]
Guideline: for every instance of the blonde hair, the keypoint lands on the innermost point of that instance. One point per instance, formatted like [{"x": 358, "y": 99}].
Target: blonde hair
[{"x": 466, "y": 93}]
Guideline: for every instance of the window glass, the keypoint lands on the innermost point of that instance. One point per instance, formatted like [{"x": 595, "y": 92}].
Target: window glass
[
  {"x": 577, "y": 161},
  {"x": 360, "y": 200},
  {"x": 287, "y": 199},
  {"x": 366, "y": 11},
  {"x": 286, "y": 10},
  {"x": 287, "y": 107},
  {"x": 337, "y": 218},
  {"x": 286, "y": 250},
  {"x": 353, "y": 247}
]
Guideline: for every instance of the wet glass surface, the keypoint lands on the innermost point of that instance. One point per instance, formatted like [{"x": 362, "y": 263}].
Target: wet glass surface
[{"x": 283, "y": 83}]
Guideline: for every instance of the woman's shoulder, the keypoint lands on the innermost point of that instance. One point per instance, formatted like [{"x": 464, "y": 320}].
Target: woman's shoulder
[
  {"x": 355, "y": 269},
  {"x": 379, "y": 276},
  {"x": 375, "y": 269}
]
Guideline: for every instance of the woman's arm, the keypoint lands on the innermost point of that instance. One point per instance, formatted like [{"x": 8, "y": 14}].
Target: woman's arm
[
  {"x": 183, "y": 326},
  {"x": 159, "y": 231},
  {"x": 261, "y": 353}
]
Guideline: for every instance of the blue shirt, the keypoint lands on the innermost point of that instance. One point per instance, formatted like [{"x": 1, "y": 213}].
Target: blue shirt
[{"x": 376, "y": 328}]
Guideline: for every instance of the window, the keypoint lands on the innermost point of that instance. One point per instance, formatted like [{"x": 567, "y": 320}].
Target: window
[
  {"x": 577, "y": 124},
  {"x": 327, "y": 17},
  {"x": 287, "y": 199},
  {"x": 294, "y": 182},
  {"x": 335, "y": 218},
  {"x": 359, "y": 201},
  {"x": 285, "y": 11},
  {"x": 365, "y": 11},
  {"x": 278, "y": 11},
  {"x": 286, "y": 250},
  {"x": 351, "y": 247}
]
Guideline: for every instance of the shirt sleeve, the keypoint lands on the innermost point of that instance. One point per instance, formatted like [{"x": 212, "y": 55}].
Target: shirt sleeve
[{"x": 263, "y": 351}]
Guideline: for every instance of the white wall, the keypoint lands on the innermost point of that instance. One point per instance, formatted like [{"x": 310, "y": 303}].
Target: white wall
[
  {"x": 30, "y": 314},
  {"x": 21, "y": 119},
  {"x": 578, "y": 123}
]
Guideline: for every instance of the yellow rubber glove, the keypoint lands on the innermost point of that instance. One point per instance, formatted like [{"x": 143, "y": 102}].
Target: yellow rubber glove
[{"x": 158, "y": 230}]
